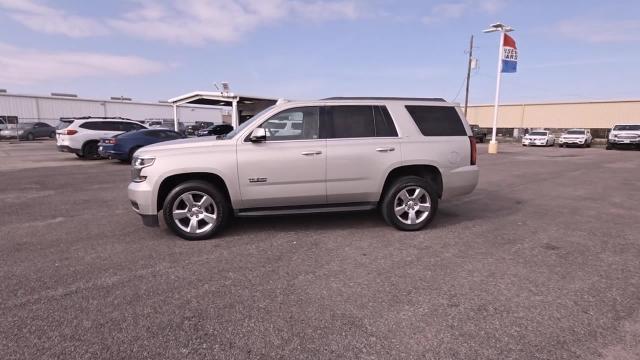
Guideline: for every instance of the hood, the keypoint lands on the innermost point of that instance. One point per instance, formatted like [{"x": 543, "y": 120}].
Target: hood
[
  {"x": 186, "y": 145},
  {"x": 625, "y": 132}
]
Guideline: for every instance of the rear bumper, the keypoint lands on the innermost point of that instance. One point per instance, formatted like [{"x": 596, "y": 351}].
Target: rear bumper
[
  {"x": 460, "y": 181},
  {"x": 69, "y": 149},
  {"x": 111, "y": 154}
]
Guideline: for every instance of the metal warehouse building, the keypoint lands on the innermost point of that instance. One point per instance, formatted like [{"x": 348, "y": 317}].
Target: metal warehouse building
[
  {"x": 599, "y": 116},
  {"x": 49, "y": 109}
]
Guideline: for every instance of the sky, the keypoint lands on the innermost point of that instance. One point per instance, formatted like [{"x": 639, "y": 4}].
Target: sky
[{"x": 153, "y": 50}]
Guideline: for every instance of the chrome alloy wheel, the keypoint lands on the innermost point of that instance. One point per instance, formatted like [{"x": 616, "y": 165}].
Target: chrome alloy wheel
[
  {"x": 412, "y": 205},
  {"x": 195, "y": 212}
]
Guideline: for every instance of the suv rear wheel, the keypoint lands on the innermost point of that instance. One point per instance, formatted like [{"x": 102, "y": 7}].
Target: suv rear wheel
[
  {"x": 195, "y": 210},
  {"x": 90, "y": 151},
  {"x": 410, "y": 203}
]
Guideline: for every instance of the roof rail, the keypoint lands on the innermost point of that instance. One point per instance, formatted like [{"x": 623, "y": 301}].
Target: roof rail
[
  {"x": 384, "y": 98},
  {"x": 94, "y": 117}
]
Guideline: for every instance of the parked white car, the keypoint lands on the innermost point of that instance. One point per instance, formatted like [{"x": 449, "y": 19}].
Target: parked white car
[
  {"x": 577, "y": 137},
  {"x": 539, "y": 138},
  {"x": 627, "y": 135},
  {"x": 81, "y": 136}
]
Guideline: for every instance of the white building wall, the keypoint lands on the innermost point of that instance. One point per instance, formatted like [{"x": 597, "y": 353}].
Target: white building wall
[
  {"x": 54, "y": 109},
  {"x": 51, "y": 109},
  {"x": 23, "y": 107}
]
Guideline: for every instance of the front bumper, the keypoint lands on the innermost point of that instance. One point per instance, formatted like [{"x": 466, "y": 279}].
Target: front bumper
[
  {"x": 534, "y": 142},
  {"x": 572, "y": 141},
  {"x": 143, "y": 202},
  {"x": 624, "y": 141}
]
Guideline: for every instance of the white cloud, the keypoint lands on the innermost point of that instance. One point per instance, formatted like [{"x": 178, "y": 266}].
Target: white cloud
[
  {"x": 26, "y": 66},
  {"x": 458, "y": 9},
  {"x": 196, "y": 22},
  {"x": 42, "y": 18},
  {"x": 598, "y": 31}
]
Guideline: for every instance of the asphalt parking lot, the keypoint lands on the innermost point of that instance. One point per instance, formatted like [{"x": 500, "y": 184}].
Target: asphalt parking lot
[{"x": 541, "y": 261}]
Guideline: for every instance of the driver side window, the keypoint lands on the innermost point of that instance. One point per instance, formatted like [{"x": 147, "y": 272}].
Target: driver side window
[{"x": 293, "y": 124}]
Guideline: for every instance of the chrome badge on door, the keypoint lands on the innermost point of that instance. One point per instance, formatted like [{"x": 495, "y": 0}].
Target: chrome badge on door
[{"x": 258, "y": 180}]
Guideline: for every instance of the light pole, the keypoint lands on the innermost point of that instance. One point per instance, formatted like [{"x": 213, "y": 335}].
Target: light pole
[{"x": 502, "y": 28}]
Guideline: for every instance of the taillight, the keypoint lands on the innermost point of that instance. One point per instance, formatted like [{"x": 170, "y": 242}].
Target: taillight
[
  {"x": 69, "y": 132},
  {"x": 474, "y": 150}
]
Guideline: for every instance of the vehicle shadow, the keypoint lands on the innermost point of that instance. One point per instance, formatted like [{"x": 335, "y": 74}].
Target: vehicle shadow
[{"x": 480, "y": 206}]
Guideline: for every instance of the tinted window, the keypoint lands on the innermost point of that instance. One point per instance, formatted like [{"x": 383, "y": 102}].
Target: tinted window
[
  {"x": 350, "y": 121},
  {"x": 293, "y": 124},
  {"x": 125, "y": 126},
  {"x": 384, "y": 122},
  {"x": 93, "y": 125},
  {"x": 437, "y": 120},
  {"x": 357, "y": 121},
  {"x": 172, "y": 135}
]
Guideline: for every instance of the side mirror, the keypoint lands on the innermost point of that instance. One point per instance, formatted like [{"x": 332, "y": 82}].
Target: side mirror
[{"x": 258, "y": 135}]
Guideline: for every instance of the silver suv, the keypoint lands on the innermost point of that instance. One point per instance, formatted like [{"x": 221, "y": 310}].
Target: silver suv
[{"x": 401, "y": 155}]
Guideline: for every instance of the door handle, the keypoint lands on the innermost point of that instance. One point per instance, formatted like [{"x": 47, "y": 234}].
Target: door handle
[
  {"x": 385, "y": 149},
  {"x": 313, "y": 152}
]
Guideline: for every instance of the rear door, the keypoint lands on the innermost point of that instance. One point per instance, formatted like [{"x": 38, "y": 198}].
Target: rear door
[{"x": 362, "y": 146}]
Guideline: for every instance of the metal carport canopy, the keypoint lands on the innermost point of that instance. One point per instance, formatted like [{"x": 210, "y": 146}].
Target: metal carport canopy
[{"x": 213, "y": 98}]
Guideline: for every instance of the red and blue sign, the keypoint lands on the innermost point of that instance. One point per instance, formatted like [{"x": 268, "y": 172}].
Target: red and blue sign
[{"x": 509, "y": 55}]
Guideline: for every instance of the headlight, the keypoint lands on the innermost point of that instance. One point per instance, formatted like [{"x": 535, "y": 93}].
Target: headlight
[
  {"x": 143, "y": 161},
  {"x": 139, "y": 163},
  {"x": 19, "y": 132}
]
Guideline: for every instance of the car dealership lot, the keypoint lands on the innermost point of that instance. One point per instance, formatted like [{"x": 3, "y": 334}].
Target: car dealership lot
[{"x": 541, "y": 261}]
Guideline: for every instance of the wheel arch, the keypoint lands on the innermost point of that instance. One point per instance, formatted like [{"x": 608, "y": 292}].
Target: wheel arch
[
  {"x": 429, "y": 172},
  {"x": 87, "y": 142},
  {"x": 170, "y": 182}
]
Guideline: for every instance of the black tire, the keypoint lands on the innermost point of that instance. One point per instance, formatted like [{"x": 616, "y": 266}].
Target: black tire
[
  {"x": 389, "y": 202},
  {"x": 80, "y": 156},
  {"x": 30, "y": 137},
  {"x": 90, "y": 151},
  {"x": 482, "y": 139},
  {"x": 223, "y": 213},
  {"x": 609, "y": 147},
  {"x": 52, "y": 135}
]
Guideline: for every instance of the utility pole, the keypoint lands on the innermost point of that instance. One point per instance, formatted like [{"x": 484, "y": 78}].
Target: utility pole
[{"x": 466, "y": 96}]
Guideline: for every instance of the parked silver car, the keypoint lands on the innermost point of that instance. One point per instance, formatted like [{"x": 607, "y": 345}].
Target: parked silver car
[
  {"x": 29, "y": 131},
  {"x": 401, "y": 155}
]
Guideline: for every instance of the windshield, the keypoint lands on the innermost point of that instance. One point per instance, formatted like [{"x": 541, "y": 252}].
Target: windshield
[
  {"x": 538, "y": 133},
  {"x": 626, "y": 127},
  {"x": 246, "y": 123},
  {"x": 575, "y": 132}
]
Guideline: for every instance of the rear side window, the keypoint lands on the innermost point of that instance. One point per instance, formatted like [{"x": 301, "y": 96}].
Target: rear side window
[
  {"x": 437, "y": 120},
  {"x": 358, "y": 121},
  {"x": 93, "y": 125},
  {"x": 384, "y": 123}
]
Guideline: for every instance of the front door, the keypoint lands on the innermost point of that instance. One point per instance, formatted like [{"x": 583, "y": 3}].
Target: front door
[{"x": 289, "y": 168}]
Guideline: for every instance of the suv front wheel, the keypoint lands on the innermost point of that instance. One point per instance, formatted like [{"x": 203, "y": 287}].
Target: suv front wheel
[
  {"x": 195, "y": 210},
  {"x": 410, "y": 203}
]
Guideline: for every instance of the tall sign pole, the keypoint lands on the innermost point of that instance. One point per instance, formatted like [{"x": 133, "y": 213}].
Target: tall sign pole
[
  {"x": 493, "y": 145},
  {"x": 502, "y": 29},
  {"x": 466, "y": 96}
]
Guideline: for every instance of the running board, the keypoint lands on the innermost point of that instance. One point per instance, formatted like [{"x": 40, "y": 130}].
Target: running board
[{"x": 291, "y": 210}]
